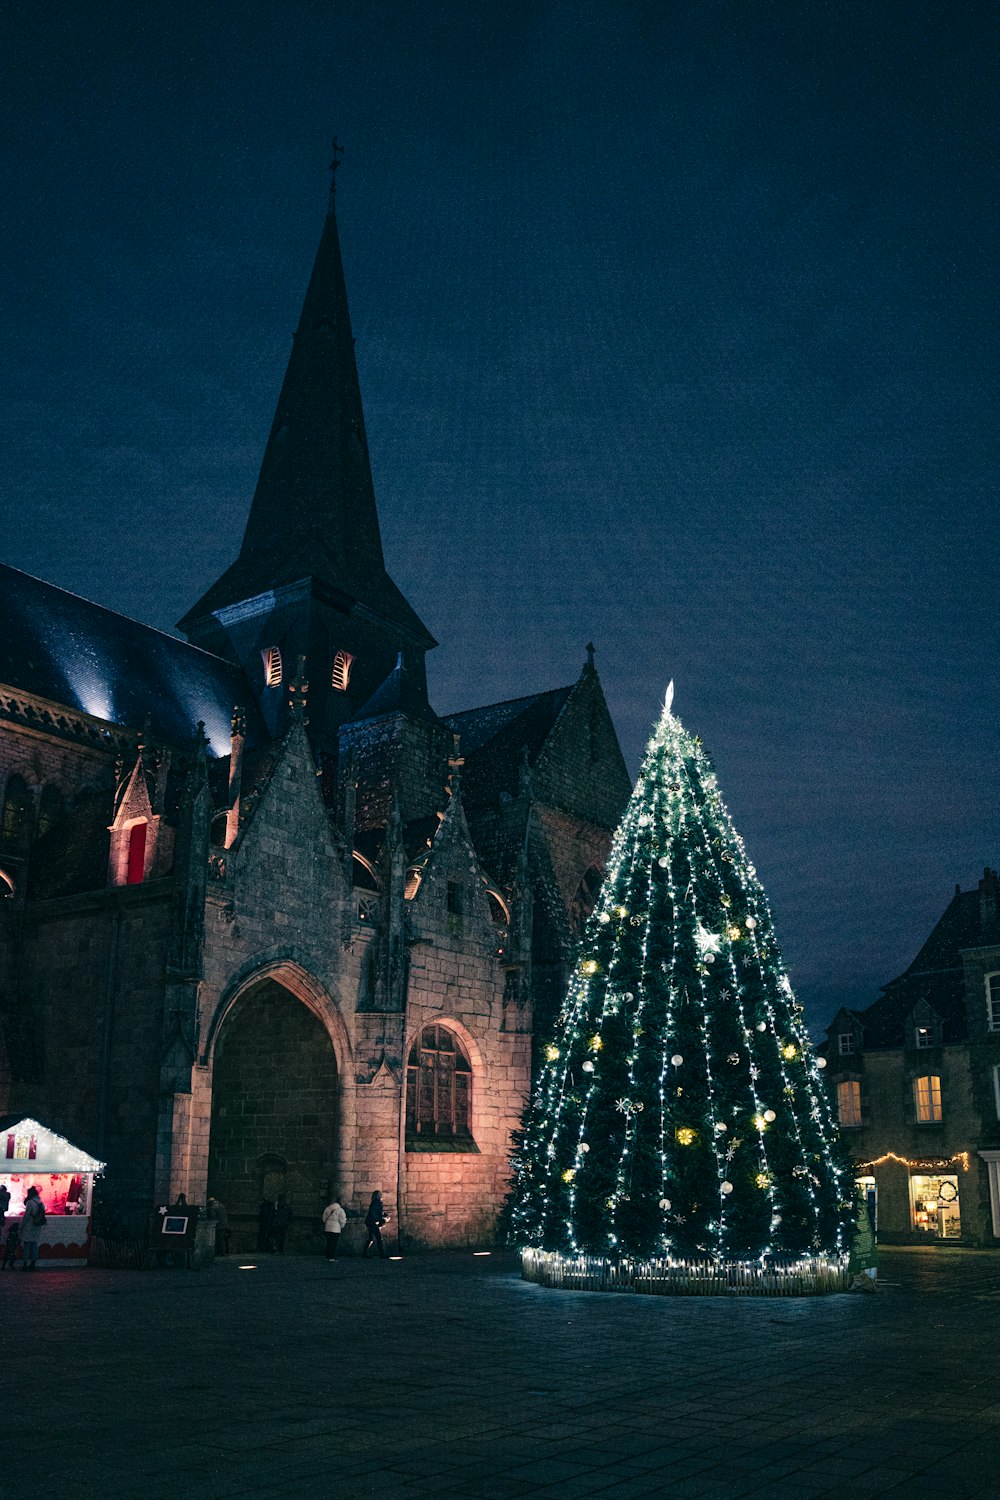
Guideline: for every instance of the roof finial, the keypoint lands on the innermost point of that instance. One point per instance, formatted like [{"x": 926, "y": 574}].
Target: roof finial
[
  {"x": 456, "y": 761},
  {"x": 338, "y": 156},
  {"x": 590, "y": 655}
]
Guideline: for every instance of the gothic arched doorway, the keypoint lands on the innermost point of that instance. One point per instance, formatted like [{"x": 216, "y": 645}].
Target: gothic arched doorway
[{"x": 274, "y": 1112}]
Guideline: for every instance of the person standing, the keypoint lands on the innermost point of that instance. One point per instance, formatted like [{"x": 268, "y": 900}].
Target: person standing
[
  {"x": 334, "y": 1219},
  {"x": 265, "y": 1224},
  {"x": 4, "y": 1202},
  {"x": 279, "y": 1227},
  {"x": 374, "y": 1219},
  {"x": 31, "y": 1228},
  {"x": 217, "y": 1212}
]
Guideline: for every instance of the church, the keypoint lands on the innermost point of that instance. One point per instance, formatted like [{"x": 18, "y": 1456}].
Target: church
[{"x": 270, "y": 925}]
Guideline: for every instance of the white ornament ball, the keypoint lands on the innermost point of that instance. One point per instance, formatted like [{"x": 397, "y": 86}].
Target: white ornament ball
[
  {"x": 709, "y": 958},
  {"x": 664, "y": 1204},
  {"x": 663, "y": 861},
  {"x": 644, "y": 820},
  {"x": 588, "y": 1066},
  {"x": 821, "y": 1062},
  {"x": 750, "y": 923},
  {"x": 604, "y": 919},
  {"x": 584, "y": 1147},
  {"x": 721, "y": 1128},
  {"x": 761, "y": 1025},
  {"x": 770, "y": 1116},
  {"x": 676, "y": 1060},
  {"x": 726, "y": 1187}
]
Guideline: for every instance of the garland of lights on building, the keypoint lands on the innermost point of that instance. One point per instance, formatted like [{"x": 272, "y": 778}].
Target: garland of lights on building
[{"x": 680, "y": 1113}]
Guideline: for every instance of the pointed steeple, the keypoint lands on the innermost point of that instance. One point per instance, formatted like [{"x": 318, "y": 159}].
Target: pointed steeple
[
  {"x": 316, "y": 479},
  {"x": 313, "y": 513}
]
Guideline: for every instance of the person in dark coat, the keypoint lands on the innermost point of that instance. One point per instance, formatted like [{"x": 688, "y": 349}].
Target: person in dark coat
[
  {"x": 216, "y": 1211},
  {"x": 374, "y": 1219},
  {"x": 4, "y": 1202},
  {"x": 265, "y": 1225},
  {"x": 279, "y": 1225},
  {"x": 12, "y": 1245}
]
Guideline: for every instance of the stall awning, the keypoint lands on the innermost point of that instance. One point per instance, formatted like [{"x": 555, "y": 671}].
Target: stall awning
[{"x": 28, "y": 1146}]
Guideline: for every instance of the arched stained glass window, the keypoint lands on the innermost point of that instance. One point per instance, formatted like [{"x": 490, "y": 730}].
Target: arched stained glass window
[{"x": 438, "y": 1086}]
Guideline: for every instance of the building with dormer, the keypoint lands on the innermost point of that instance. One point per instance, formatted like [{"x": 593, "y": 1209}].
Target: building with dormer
[{"x": 916, "y": 1082}]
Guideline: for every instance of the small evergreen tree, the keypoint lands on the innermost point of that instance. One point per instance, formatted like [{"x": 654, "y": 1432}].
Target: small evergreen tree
[{"x": 680, "y": 1109}]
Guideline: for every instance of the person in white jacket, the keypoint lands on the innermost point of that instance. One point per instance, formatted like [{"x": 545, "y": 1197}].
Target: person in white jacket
[{"x": 334, "y": 1219}]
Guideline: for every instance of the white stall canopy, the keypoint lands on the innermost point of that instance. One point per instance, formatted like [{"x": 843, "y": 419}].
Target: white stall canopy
[{"x": 32, "y": 1148}]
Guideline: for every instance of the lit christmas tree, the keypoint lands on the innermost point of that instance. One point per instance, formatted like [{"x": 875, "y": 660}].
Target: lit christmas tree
[{"x": 680, "y": 1114}]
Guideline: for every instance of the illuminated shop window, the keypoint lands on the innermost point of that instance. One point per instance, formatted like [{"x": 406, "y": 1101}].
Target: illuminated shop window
[
  {"x": 934, "y": 1205},
  {"x": 342, "y": 664},
  {"x": 927, "y": 1098},
  {"x": 993, "y": 1001},
  {"x": 271, "y": 657},
  {"x": 849, "y": 1102},
  {"x": 846, "y": 1044},
  {"x": 438, "y": 1086}
]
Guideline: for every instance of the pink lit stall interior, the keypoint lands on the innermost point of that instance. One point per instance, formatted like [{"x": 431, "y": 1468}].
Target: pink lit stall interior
[{"x": 31, "y": 1155}]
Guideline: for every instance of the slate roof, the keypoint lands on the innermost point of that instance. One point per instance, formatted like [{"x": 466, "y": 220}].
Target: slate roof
[
  {"x": 495, "y": 737},
  {"x": 58, "y": 646},
  {"x": 935, "y": 975},
  {"x": 398, "y": 694}
]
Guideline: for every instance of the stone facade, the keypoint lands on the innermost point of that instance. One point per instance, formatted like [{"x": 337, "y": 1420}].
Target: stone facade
[{"x": 309, "y": 953}]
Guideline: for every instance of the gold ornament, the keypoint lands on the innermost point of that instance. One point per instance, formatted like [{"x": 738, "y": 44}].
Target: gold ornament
[{"x": 685, "y": 1136}]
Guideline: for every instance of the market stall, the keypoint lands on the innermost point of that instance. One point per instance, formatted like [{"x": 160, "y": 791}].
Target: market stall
[{"x": 31, "y": 1155}]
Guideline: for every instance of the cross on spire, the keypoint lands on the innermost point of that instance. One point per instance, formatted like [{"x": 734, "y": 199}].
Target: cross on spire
[{"x": 338, "y": 156}]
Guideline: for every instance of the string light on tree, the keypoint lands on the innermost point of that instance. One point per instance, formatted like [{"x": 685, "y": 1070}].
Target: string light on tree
[{"x": 680, "y": 1021}]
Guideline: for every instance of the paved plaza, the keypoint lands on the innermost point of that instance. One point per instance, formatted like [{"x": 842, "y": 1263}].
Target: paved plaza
[{"x": 448, "y": 1375}]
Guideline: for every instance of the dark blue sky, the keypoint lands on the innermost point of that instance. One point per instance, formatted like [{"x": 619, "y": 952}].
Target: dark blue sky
[{"x": 677, "y": 330}]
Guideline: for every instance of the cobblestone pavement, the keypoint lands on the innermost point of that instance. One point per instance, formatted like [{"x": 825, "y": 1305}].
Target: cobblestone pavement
[{"x": 447, "y": 1375}]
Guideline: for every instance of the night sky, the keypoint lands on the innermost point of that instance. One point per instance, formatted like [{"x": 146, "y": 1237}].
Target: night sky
[{"x": 677, "y": 331}]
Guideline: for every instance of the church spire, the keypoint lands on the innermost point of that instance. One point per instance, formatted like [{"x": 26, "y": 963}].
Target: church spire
[
  {"x": 313, "y": 513},
  {"x": 315, "y": 481}
]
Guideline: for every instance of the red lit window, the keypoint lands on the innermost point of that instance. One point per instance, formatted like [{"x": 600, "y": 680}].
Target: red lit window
[
  {"x": 342, "y": 664},
  {"x": 438, "y": 1085},
  {"x": 136, "y": 854},
  {"x": 271, "y": 657}
]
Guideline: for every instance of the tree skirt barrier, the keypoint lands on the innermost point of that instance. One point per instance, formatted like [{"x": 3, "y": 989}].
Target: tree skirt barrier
[{"x": 809, "y": 1277}]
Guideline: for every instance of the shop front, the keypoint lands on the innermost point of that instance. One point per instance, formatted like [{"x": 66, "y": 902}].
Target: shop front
[
  {"x": 32, "y": 1156},
  {"x": 935, "y": 1205}
]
